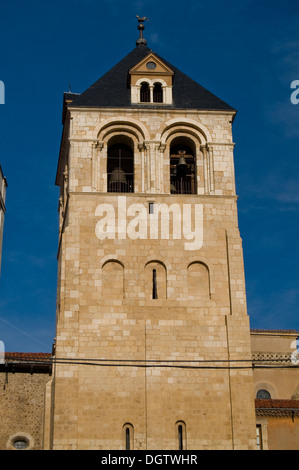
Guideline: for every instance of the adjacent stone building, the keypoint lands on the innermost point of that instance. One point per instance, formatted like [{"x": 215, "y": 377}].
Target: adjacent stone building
[
  {"x": 24, "y": 379},
  {"x": 275, "y": 357}
]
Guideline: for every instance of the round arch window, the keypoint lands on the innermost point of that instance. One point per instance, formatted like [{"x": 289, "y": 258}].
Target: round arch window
[
  {"x": 263, "y": 394},
  {"x": 20, "y": 442}
]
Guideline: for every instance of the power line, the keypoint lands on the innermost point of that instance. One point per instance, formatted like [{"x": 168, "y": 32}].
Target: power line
[{"x": 221, "y": 364}]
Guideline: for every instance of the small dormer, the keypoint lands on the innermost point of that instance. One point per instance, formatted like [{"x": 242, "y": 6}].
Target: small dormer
[{"x": 151, "y": 82}]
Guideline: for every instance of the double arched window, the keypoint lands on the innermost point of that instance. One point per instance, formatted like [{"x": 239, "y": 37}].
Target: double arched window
[{"x": 151, "y": 93}]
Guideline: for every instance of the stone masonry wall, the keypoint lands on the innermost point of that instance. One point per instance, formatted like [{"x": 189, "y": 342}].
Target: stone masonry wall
[{"x": 22, "y": 404}]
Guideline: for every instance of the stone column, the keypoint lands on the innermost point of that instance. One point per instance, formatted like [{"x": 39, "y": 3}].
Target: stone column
[
  {"x": 203, "y": 148},
  {"x": 211, "y": 168},
  {"x": 164, "y": 187},
  {"x": 141, "y": 148}
]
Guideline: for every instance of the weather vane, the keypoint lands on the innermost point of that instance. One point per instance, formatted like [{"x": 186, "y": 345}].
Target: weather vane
[{"x": 140, "y": 27}]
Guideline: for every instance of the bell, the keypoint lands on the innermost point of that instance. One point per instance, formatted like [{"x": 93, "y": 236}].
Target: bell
[
  {"x": 182, "y": 162},
  {"x": 118, "y": 176}
]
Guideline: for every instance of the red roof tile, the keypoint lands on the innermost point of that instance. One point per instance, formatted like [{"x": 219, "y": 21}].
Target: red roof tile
[
  {"x": 277, "y": 404},
  {"x": 27, "y": 356}
]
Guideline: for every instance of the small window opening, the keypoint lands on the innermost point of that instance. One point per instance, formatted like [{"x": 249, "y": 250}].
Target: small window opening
[
  {"x": 20, "y": 443},
  {"x": 128, "y": 439},
  {"x": 158, "y": 93},
  {"x": 128, "y": 436},
  {"x": 180, "y": 436},
  {"x": 145, "y": 93},
  {"x": 151, "y": 208},
  {"x": 155, "y": 293},
  {"x": 259, "y": 439}
]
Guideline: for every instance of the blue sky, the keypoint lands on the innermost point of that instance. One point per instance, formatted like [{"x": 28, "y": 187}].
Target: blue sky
[{"x": 246, "y": 52}]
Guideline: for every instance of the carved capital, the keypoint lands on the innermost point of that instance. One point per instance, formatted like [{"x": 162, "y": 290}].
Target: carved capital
[
  {"x": 147, "y": 145},
  {"x": 141, "y": 146},
  {"x": 97, "y": 145}
]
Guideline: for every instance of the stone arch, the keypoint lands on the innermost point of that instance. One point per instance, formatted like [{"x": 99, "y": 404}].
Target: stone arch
[
  {"x": 151, "y": 82},
  {"x": 121, "y": 127},
  {"x": 268, "y": 387},
  {"x": 199, "y": 130},
  {"x": 143, "y": 80},
  {"x": 112, "y": 281},
  {"x": 121, "y": 124},
  {"x": 198, "y": 278},
  {"x": 161, "y": 260},
  {"x": 195, "y": 133}
]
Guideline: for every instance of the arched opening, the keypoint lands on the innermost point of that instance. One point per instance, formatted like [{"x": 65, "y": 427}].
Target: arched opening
[
  {"x": 182, "y": 166},
  {"x": 112, "y": 282},
  {"x": 155, "y": 292},
  {"x": 120, "y": 166},
  {"x": 145, "y": 96},
  {"x": 155, "y": 281},
  {"x": 263, "y": 394},
  {"x": 158, "y": 93},
  {"x": 128, "y": 436},
  {"x": 181, "y": 435},
  {"x": 198, "y": 281}
]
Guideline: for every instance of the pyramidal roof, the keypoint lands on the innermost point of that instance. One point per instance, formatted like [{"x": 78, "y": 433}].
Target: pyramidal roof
[{"x": 112, "y": 90}]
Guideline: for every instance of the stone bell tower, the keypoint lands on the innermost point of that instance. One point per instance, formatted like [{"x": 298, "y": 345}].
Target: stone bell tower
[{"x": 152, "y": 343}]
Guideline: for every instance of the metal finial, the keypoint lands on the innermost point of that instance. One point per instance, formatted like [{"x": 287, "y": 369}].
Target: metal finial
[{"x": 141, "y": 41}]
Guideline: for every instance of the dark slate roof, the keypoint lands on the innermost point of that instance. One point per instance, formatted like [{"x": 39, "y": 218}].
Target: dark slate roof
[{"x": 112, "y": 90}]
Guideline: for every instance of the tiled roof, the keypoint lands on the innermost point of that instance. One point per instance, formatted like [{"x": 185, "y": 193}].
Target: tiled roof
[
  {"x": 26, "y": 362},
  {"x": 27, "y": 356},
  {"x": 261, "y": 403},
  {"x": 277, "y": 408},
  {"x": 113, "y": 91}
]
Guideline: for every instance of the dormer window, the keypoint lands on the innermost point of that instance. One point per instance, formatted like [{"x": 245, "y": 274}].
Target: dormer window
[{"x": 151, "y": 81}]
